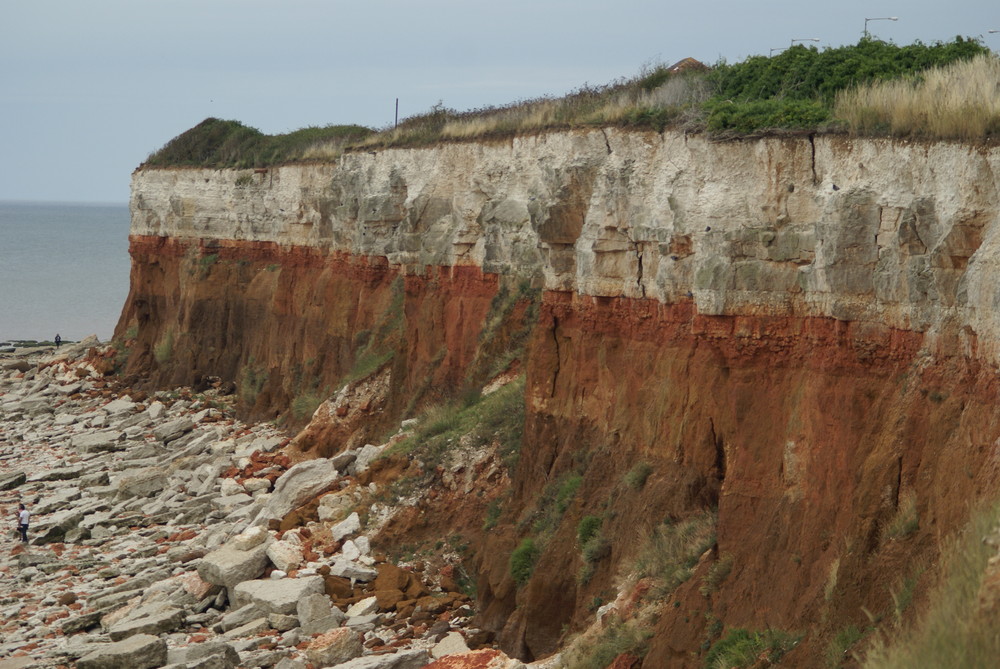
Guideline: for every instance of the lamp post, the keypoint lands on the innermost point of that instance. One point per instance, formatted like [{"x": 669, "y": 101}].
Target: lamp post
[
  {"x": 777, "y": 48},
  {"x": 804, "y": 39},
  {"x": 878, "y": 18}
]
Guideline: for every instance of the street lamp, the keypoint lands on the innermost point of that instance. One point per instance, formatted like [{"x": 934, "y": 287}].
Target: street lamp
[
  {"x": 879, "y": 18},
  {"x": 777, "y": 48},
  {"x": 804, "y": 39}
]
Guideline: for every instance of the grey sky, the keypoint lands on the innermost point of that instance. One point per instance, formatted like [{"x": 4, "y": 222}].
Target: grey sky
[{"x": 89, "y": 89}]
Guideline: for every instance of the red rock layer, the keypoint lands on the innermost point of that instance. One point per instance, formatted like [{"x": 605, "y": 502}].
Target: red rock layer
[
  {"x": 806, "y": 434},
  {"x": 285, "y": 322},
  {"x": 803, "y": 433}
]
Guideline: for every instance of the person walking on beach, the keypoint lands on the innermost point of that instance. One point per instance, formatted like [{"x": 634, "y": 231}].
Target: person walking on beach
[
  {"x": 22, "y": 523},
  {"x": 58, "y": 340}
]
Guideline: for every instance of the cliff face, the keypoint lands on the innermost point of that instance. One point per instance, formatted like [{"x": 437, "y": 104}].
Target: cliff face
[{"x": 800, "y": 335}]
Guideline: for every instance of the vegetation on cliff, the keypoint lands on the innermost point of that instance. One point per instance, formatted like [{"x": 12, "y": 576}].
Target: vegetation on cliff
[
  {"x": 942, "y": 90},
  {"x": 217, "y": 143}
]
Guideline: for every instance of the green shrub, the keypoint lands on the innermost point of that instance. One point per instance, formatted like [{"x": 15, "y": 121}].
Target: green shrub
[
  {"x": 636, "y": 477},
  {"x": 498, "y": 416},
  {"x": 745, "y": 648},
  {"x": 492, "y": 515},
  {"x": 616, "y": 639},
  {"x": 588, "y": 527},
  {"x": 522, "y": 561},
  {"x": 797, "y": 88},
  {"x": 838, "y": 647},
  {"x": 717, "y": 573},
  {"x": 216, "y": 143},
  {"x": 567, "y": 492},
  {"x": 304, "y": 405},
  {"x": 251, "y": 382},
  {"x": 165, "y": 348}
]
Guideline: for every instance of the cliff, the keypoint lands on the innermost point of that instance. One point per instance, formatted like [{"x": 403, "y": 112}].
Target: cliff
[{"x": 797, "y": 337}]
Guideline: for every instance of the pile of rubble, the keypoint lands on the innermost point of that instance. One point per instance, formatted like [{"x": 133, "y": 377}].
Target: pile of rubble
[{"x": 157, "y": 539}]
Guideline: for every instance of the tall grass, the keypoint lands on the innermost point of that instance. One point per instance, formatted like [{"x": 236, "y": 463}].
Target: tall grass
[
  {"x": 651, "y": 100},
  {"x": 672, "y": 550},
  {"x": 955, "y": 631},
  {"x": 956, "y": 101}
]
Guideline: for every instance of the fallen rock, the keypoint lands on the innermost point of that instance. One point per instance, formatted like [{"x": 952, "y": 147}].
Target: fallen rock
[
  {"x": 12, "y": 480},
  {"x": 173, "y": 429},
  {"x": 334, "y": 647},
  {"x": 280, "y": 596},
  {"x": 228, "y": 566},
  {"x": 487, "y": 658},
  {"x": 297, "y": 486},
  {"x": 160, "y": 622},
  {"x": 453, "y": 643},
  {"x": 404, "y": 659},
  {"x": 142, "y": 651},
  {"x": 346, "y": 527}
]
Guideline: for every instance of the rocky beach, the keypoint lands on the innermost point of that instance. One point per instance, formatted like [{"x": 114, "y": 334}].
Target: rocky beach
[{"x": 160, "y": 536}]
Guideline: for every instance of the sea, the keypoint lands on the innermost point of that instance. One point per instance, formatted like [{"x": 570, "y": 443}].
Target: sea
[{"x": 64, "y": 269}]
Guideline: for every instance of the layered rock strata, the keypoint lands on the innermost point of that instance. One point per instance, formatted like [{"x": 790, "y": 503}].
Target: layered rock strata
[{"x": 801, "y": 332}]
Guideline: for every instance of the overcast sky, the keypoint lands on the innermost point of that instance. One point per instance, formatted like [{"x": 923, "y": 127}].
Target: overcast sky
[{"x": 89, "y": 89}]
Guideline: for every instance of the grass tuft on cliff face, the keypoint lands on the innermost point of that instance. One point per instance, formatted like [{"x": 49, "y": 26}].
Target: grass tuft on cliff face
[{"x": 673, "y": 550}]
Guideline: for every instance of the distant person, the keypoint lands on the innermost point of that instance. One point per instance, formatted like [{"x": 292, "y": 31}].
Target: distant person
[
  {"x": 58, "y": 340},
  {"x": 22, "y": 523}
]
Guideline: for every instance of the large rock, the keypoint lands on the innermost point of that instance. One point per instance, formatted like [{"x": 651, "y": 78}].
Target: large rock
[
  {"x": 225, "y": 654},
  {"x": 142, "y": 651},
  {"x": 166, "y": 620},
  {"x": 285, "y": 555},
  {"x": 404, "y": 659},
  {"x": 142, "y": 483},
  {"x": 317, "y": 614},
  {"x": 281, "y": 596},
  {"x": 173, "y": 429},
  {"x": 249, "y": 538},
  {"x": 119, "y": 406},
  {"x": 54, "y": 527},
  {"x": 352, "y": 570},
  {"x": 334, "y": 647},
  {"x": 453, "y": 643},
  {"x": 297, "y": 486},
  {"x": 11, "y": 480},
  {"x": 346, "y": 527},
  {"x": 228, "y": 566},
  {"x": 96, "y": 442}
]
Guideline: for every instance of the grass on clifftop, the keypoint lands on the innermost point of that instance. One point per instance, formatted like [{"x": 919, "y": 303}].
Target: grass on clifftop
[
  {"x": 216, "y": 143},
  {"x": 872, "y": 87}
]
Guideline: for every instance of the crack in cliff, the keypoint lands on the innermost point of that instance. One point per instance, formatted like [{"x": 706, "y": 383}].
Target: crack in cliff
[
  {"x": 555, "y": 341},
  {"x": 812, "y": 159},
  {"x": 606, "y": 142},
  {"x": 638, "y": 279}
]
